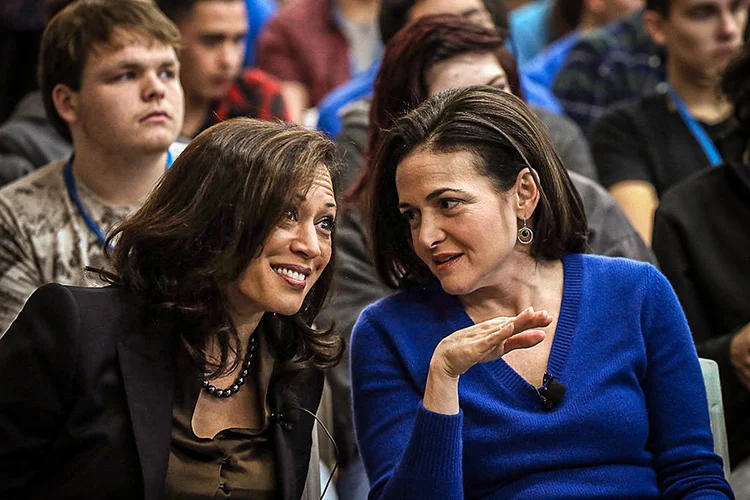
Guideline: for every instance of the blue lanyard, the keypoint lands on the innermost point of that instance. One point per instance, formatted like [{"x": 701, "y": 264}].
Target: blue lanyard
[
  {"x": 697, "y": 130},
  {"x": 70, "y": 184}
]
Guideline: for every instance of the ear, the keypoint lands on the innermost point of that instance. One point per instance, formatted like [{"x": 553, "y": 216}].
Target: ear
[
  {"x": 66, "y": 103},
  {"x": 655, "y": 26},
  {"x": 527, "y": 193}
]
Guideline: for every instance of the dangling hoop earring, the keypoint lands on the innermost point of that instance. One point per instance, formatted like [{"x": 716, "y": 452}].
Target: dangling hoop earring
[{"x": 525, "y": 234}]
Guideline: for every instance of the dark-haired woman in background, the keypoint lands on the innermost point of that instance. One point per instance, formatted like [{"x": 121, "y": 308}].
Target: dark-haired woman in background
[
  {"x": 578, "y": 375},
  {"x": 193, "y": 375}
]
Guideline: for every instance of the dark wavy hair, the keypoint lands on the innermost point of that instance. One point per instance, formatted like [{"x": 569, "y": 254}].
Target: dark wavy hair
[
  {"x": 506, "y": 137},
  {"x": 206, "y": 219},
  {"x": 401, "y": 86},
  {"x": 735, "y": 84}
]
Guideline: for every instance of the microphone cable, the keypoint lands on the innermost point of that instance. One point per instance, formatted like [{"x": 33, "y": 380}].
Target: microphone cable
[{"x": 335, "y": 449}]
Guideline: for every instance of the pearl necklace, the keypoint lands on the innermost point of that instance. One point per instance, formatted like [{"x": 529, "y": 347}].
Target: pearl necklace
[{"x": 252, "y": 345}]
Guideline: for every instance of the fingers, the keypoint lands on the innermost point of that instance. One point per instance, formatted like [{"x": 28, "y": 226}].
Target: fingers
[{"x": 523, "y": 340}]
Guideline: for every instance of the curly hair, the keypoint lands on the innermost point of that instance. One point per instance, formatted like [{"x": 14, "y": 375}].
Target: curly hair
[{"x": 206, "y": 219}]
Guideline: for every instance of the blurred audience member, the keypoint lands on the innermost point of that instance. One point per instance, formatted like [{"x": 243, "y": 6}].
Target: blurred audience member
[
  {"x": 216, "y": 85},
  {"x": 570, "y": 20},
  {"x": 614, "y": 64},
  {"x": 644, "y": 147},
  {"x": 702, "y": 237},
  {"x": 28, "y": 140},
  {"x": 537, "y": 24},
  {"x": 394, "y": 15},
  {"x": 313, "y": 46},
  {"x": 110, "y": 84}
]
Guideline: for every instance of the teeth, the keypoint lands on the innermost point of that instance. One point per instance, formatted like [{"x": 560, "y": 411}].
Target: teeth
[{"x": 292, "y": 274}]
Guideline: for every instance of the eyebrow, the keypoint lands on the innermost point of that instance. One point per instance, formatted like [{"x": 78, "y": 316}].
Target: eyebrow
[
  {"x": 497, "y": 79},
  {"x": 302, "y": 197},
  {"x": 434, "y": 195},
  {"x": 133, "y": 64}
]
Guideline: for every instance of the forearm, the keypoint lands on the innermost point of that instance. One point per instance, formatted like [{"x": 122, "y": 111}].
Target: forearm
[{"x": 441, "y": 391}]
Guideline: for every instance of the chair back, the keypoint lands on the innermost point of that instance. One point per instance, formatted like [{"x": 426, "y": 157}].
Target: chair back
[{"x": 712, "y": 382}]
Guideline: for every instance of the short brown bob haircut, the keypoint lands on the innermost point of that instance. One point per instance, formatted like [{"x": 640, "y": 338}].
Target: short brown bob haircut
[
  {"x": 506, "y": 137},
  {"x": 207, "y": 218},
  {"x": 80, "y": 28}
]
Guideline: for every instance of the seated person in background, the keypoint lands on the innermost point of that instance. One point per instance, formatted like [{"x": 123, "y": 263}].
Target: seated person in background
[
  {"x": 644, "y": 147},
  {"x": 572, "y": 19},
  {"x": 213, "y": 47},
  {"x": 28, "y": 140},
  {"x": 198, "y": 373},
  {"x": 395, "y": 14},
  {"x": 614, "y": 64},
  {"x": 510, "y": 364},
  {"x": 110, "y": 83},
  {"x": 313, "y": 46},
  {"x": 432, "y": 54},
  {"x": 702, "y": 238}
]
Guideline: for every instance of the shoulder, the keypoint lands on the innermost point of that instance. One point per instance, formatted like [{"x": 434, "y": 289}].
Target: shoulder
[
  {"x": 259, "y": 79},
  {"x": 706, "y": 186},
  {"x": 615, "y": 275},
  {"x": 404, "y": 310},
  {"x": 32, "y": 194},
  {"x": 300, "y": 13}
]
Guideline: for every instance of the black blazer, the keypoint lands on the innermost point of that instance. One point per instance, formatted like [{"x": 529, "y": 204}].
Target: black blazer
[{"x": 86, "y": 386}]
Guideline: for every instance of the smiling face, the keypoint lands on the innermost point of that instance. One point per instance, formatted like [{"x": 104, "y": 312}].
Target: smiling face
[
  {"x": 130, "y": 98},
  {"x": 293, "y": 256},
  {"x": 700, "y": 36},
  {"x": 461, "y": 227},
  {"x": 213, "y": 48},
  {"x": 465, "y": 70}
]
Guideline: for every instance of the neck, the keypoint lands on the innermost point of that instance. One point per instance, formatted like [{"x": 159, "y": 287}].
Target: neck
[
  {"x": 701, "y": 95},
  {"x": 527, "y": 283},
  {"x": 245, "y": 324},
  {"x": 195, "y": 114},
  {"x": 119, "y": 179},
  {"x": 359, "y": 11}
]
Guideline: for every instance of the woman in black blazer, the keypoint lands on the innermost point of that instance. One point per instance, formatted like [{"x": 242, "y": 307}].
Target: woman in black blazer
[{"x": 197, "y": 373}]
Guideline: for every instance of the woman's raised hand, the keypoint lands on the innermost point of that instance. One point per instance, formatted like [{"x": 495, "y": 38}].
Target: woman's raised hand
[
  {"x": 480, "y": 343},
  {"x": 489, "y": 340}
]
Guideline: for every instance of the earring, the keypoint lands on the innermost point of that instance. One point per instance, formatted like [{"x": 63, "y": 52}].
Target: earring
[{"x": 525, "y": 234}]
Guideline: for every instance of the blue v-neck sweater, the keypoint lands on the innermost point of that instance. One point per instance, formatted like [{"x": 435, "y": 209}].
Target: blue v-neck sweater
[{"x": 633, "y": 423}]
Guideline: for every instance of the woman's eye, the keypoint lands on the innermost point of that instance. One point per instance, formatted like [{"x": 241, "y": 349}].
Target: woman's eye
[
  {"x": 327, "y": 223},
  {"x": 291, "y": 214},
  {"x": 410, "y": 216},
  {"x": 448, "y": 203}
]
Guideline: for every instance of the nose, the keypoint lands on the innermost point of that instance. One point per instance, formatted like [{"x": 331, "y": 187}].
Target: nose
[
  {"x": 153, "y": 87},
  {"x": 429, "y": 232},
  {"x": 305, "y": 241},
  {"x": 730, "y": 22},
  {"x": 230, "y": 55}
]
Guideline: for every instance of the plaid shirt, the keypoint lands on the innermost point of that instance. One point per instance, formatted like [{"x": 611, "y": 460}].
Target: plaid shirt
[
  {"x": 255, "y": 94},
  {"x": 615, "y": 64}
]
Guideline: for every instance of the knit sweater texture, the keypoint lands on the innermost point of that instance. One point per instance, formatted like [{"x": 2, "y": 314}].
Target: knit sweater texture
[{"x": 633, "y": 423}]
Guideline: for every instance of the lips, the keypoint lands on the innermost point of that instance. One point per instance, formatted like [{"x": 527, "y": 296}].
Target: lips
[
  {"x": 444, "y": 261},
  {"x": 156, "y": 115},
  {"x": 294, "y": 275}
]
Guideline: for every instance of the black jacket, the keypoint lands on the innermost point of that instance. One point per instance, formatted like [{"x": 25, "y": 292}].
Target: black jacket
[{"x": 87, "y": 379}]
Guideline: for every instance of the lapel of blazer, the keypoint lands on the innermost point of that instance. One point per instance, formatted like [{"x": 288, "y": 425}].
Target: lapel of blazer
[
  {"x": 147, "y": 361},
  {"x": 293, "y": 429}
]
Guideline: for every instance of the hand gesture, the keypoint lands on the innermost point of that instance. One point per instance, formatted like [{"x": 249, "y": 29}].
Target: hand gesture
[{"x": 489, "y": 340}]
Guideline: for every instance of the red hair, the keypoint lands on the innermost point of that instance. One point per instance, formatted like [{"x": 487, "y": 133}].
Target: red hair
[{"x": 400, "y": 85}]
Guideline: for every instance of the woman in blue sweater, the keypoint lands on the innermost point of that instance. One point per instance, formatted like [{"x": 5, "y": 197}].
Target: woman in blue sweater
[{"x": 510, "y": 365}]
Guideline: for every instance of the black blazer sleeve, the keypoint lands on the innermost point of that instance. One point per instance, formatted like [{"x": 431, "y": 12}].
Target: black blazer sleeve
[{"x": 37, "y": 362}]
